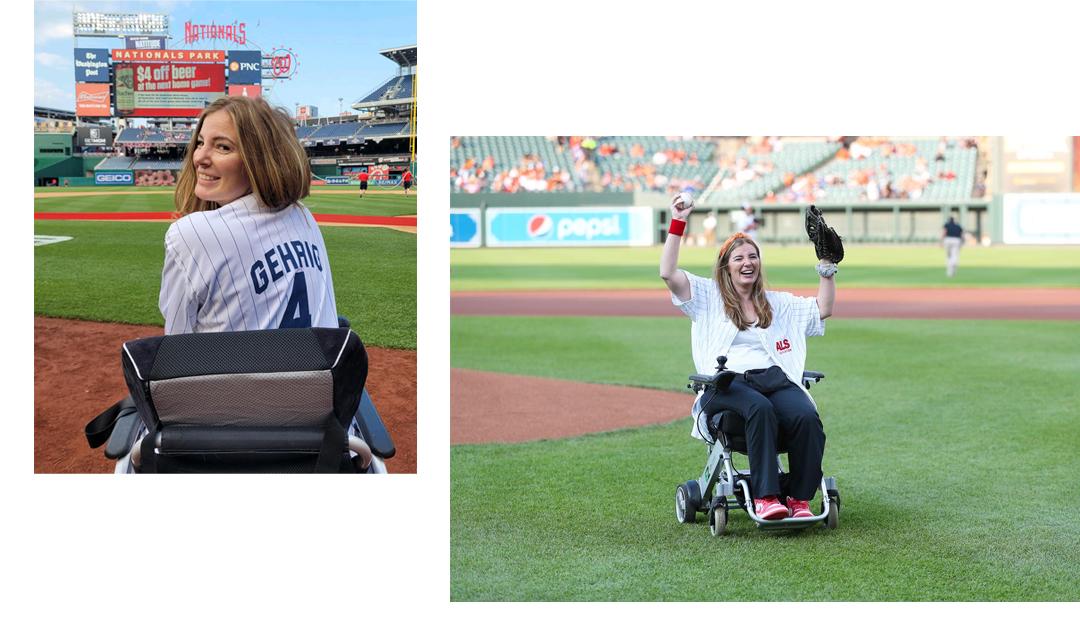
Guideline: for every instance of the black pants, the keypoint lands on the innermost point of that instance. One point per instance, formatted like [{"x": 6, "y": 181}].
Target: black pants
[{"x": 787, "y": 411}]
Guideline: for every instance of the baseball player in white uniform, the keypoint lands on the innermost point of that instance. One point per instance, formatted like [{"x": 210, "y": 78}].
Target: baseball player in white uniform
[
  {"x": 245, "y": 255},
  {"x": 763, "y": 334}
]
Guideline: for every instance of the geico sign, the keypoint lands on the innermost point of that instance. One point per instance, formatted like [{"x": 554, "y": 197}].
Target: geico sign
[{"x": 113, "y": 178}]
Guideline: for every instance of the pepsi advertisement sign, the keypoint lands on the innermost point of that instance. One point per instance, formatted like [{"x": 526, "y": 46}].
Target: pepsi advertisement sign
[
  {"x": 245, "y": 67},
  {"x": 465, "y": 228},
  {"x": 114, "y": 178},
  {"x": 619, "y": 226}
]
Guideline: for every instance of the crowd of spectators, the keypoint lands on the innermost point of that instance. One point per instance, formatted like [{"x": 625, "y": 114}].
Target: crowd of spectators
[
  {"x": 610, "y": 164},
  {"x": 592, "y": 168},
  {"x": 529, "y": 175},
  {"x": 155, "y": 178},
  {"x": 873, "y": 183}
]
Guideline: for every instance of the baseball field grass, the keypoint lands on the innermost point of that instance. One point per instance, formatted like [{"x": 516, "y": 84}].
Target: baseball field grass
[
  {"x": 111, "y": 271},
  {"x": 953, "y": 444},
  {"x": 878, "y": 266}
]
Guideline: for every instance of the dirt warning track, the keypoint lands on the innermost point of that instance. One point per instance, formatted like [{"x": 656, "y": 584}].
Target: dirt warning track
[{"x": 853, "y": 303}]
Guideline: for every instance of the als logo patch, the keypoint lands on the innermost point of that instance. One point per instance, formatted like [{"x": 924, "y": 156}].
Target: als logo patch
[
  {"x": 43, "y": 240},
  {"x": 783, "y": 346}
]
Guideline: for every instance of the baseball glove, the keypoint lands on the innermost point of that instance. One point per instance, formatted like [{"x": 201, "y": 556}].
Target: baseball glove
[{"x": 827, "y": 244}]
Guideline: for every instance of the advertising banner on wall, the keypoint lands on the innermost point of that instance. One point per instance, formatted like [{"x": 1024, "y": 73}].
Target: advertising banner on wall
[
  {"x": 154, "y": 89},
  {"x": 92, "y": 100},
  {"x": 168, "y": 55},
  {"x": 1049, "y": 218},
  {"x": 245, "y": 67},
  {"x": 114, "y": 178},
  {"x": 587, "y": 226},
  {"x": 94, "y": 136},
  {"x": 245, "y": 90},
  {"x": 465, "y": 228},
  {"x": 145, "y": 43},
  {"x": 91, "y": 65}
]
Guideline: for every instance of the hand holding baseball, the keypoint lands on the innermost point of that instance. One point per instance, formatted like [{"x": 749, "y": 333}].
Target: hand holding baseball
[{"x": 681, "y": 206}]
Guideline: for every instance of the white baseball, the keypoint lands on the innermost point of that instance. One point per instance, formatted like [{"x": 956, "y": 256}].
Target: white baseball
[{"x": 685, "y": 200}]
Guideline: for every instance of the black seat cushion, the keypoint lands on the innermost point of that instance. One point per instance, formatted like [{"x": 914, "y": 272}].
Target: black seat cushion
[{"x": 730, "y": 429}]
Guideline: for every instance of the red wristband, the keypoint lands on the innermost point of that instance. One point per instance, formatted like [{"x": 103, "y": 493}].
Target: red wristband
[{"x": 677, "y": 227}]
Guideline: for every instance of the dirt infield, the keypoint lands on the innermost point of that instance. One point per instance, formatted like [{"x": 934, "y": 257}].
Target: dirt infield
[
  {"x": 77, "y": 374},
  {"x": 489, "y": 407},
  {"x": 852, "y": 303}
]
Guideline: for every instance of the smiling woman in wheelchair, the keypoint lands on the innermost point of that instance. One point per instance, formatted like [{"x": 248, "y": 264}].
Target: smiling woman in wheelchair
[
  {"x": 763, "y": 335},
  {"x": 256, "y": 371}
]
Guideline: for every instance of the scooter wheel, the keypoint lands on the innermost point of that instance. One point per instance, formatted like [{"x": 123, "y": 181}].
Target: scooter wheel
[
  {"x": 833, "y": 519},
  {"x": 718, "y": 519},
  {"x": 687, "y": 502}
]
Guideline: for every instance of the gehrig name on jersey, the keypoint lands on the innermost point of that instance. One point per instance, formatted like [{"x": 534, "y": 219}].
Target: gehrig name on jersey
[{"x": 290, "y": 255}]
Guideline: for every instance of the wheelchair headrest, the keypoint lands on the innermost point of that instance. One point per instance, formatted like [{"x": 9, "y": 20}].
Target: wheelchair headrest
[{"x": 297, "y": 377}]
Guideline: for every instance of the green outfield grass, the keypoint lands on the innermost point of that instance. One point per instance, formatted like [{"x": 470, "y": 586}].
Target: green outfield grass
[
  {"x": 332, "y": 200},
  {"x": 785, "y": 266},
  {"x": 953, "y": 443},
  {"x": 111, "y": 271}
]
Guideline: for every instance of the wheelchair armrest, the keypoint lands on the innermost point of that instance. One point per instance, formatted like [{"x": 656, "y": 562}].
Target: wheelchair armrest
[
  {"x": 125, "y": 431},
  {"x": 720, "y": 380},
  {"x": 373, "y": 429},
  {"x": 811, "y": 375}
]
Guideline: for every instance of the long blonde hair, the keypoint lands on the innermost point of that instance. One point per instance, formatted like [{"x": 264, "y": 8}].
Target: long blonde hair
[
  {"x": 732, "y": 302},
  {"x": 275, "y": 163}
]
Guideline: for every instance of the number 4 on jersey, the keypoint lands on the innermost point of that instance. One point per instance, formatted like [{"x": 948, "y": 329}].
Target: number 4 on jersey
[{"x": 297, "y": 314}]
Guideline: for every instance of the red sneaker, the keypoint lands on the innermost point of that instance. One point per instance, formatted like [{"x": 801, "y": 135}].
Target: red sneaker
[
  {"x": 769, "y": 508},
  {"x": 799, "y": 509}
]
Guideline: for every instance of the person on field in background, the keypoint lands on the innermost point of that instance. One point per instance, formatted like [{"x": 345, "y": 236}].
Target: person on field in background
[
  {"x": 363, "y": 182},
  {"x": 952, "y": 237}
]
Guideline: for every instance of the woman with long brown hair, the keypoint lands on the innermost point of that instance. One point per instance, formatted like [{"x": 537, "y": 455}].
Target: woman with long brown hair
[
  {"x": 245, "y": 254},
  {"x": 763, "y": 333}
]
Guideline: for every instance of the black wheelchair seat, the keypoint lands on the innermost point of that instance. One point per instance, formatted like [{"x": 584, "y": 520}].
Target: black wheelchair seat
[
  {"x": 286, "y": 400},
  {"x": 729, "y": 428}
]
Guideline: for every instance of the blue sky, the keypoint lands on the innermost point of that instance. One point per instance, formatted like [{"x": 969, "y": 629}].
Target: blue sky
[{"x": 336, "y": 43}]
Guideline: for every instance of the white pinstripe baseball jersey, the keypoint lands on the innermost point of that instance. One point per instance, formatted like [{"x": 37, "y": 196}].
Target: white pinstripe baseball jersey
[
  {"x": 245, "y": 267},
  {"x": 712, "y": 332}
]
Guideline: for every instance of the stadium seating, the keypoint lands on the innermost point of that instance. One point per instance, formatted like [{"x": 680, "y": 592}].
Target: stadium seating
[
  {"x": 304, "y": 132},
  {"x": 950, "y": 178},
  {"x": 157, "y": 164},
  {"x": 396, "y": 88},
  {"x": 114, "y": 164},
  {"x": 340, "y": 131},
  {"x": 690, "y": 164},
  {"x": 751, "y": 169},
  {"x": 152, "y": 136},
  {"x": 385, "y": 130},
  {"x": 754, "y": 175}
]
